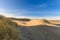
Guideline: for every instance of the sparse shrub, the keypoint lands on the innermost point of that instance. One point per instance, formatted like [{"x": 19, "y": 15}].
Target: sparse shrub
[
  {"x": 21, "y": 19},
  {"x": 24, "y": 19}
]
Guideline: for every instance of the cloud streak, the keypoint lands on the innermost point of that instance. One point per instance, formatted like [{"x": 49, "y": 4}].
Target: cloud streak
[
  {"x": 31, "y": 17},
  {"x": 29, "y": 13},
  {"x": 44, "y": 5}
]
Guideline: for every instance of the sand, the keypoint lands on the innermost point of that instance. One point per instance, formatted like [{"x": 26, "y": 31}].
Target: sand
[{"x": 34, "y": 22}]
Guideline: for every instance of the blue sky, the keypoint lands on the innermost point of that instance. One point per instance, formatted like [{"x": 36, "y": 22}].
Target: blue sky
[{"x": 31, "y": 8}]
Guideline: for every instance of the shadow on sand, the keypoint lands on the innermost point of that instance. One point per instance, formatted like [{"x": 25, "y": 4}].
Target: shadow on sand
[{"x": 40, "y": 32}]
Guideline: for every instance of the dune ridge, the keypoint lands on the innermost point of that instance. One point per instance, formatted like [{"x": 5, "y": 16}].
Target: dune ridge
[{"x": 34, "y": 22}]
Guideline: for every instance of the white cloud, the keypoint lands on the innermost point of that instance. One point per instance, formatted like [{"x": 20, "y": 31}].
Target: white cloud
[
  {"x": 51, "y": 17},
  {"x": 20, "y": 14},
  {"x": 44, "y": 5},
  {"x": 58, "y": 2},
  {"x": 32, "y": 17},
  {"x": 6, "y": 14}
]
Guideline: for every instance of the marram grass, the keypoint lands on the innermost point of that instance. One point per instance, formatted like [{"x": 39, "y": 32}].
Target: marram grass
[{"x": 8, "y": 30}]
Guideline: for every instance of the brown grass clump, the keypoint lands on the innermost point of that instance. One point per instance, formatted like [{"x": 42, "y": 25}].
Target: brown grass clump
[{"x": 8, "y": 30}]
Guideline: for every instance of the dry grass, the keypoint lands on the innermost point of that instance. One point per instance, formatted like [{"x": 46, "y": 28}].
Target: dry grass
[{"x": 8, "y": 30}]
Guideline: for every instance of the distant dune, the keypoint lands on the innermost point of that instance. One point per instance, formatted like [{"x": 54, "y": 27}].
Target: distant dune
[{"x": 34, "y": 22}]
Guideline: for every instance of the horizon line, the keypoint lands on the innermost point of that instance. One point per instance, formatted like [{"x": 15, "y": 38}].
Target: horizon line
[{"x": 46, "y": 17}]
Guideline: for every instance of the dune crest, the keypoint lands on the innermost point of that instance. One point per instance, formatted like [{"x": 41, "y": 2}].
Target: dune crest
[
  {"x": 33, "y": 22},
  {"x": 37, "y": 22}
]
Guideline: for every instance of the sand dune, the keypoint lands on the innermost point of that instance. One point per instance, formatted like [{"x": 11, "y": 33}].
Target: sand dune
[
  {"x": 34, "y": 29},
  {"x": 37, "y": 22},
  {"x": 39, "y": 29},
  {"x": 34, "y": 22}
]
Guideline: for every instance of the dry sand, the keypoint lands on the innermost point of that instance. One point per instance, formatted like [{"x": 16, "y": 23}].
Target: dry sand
[
  {"x": 39, "y": 29},
  {"x": 34, "y": 22}
]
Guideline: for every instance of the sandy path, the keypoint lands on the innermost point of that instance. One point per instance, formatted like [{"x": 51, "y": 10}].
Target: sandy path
[
  {"x": 30, "y": 31},
  {"x": 30, "y": 34},
  {"x": 37, "y": 33},
  {"x": 25, "y": 32}
]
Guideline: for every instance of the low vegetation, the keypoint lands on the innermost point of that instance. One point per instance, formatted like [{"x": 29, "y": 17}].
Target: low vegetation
[
  {"x": 21, "y": 19},
  {"x": 8, "y": 30}
]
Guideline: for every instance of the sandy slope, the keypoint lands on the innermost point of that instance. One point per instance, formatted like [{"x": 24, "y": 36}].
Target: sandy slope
[
  {"x": 39, "y": 29},
  {"x": 38, "y": 33},
  {"x": 34, "y": 22}
]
